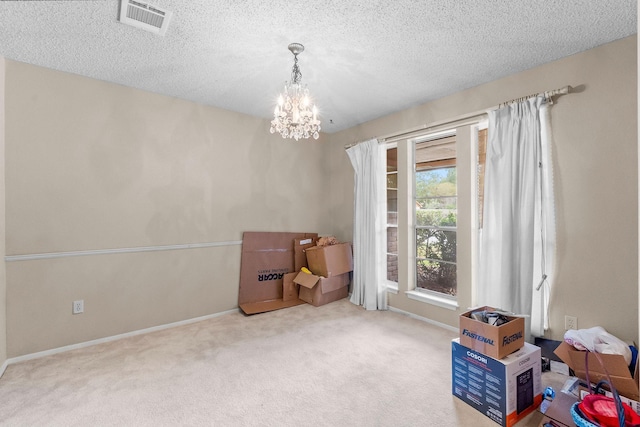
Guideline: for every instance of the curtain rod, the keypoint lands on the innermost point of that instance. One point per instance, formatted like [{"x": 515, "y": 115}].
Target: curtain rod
[{"x": 466, "y": 118}]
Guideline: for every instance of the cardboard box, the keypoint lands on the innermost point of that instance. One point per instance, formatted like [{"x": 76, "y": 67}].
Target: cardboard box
[
  {"x": 623, "y": 381},
  {"x": 266, "y": 258},
  {"x": 299, "y": 248},
  {"x": 490, "y": 340},
  {"x": 505, "y": 390},
  {"x": 318, "y": 290},
  {"x": 332, "y": 260}
]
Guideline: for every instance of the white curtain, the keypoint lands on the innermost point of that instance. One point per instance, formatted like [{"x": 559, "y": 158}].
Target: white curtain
[
  {"x": 369, "y": 238},
  {"x": 517, "y": 247}
]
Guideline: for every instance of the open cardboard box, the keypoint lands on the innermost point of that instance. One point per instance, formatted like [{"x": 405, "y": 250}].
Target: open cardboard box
[
  {"x": 332, "y": 260},
  {"x": 318, "y": 290},
  {"x": 624, "y": 383},
  {"x": 490, "y": 340},
  {"x": 266, "y": 258}
]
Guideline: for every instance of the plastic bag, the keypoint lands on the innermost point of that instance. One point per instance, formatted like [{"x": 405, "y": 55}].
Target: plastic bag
[{"x": 597, "y": 340}]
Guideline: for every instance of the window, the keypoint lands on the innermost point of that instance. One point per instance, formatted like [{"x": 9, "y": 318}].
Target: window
[
  {"x": 436, "y": 212},
  {"x": 433, "y": 214},
  {"x": 392, "y": 216}
]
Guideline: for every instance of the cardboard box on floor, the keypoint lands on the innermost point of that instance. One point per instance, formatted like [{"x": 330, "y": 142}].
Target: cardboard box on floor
[
  {"x": 626, "y": 384},
  {"x": 332, "y": 260},
  {"x": 318, "y": 290},
  {"x": 290, "y": 289},
  {"x": 490, "y": 340},
  {"x": 505, "y": 390},
  {"x": 266, "y": 258}
]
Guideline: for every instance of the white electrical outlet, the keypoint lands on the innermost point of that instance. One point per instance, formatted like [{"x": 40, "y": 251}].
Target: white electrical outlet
[
  {"x": 78, "y": 307},
  {"x": 570, "y": 322}
]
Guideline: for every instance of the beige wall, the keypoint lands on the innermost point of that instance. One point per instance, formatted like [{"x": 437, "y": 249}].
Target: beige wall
[
  {"x": 596, "y": 170},
  {"x": 3, "y": 279},
  {"x": 94, "y": 166}
]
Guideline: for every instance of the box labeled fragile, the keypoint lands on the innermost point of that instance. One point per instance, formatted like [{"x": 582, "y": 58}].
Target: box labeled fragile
[
  {"x": 505, "y": 390},
  {"x": 318, "y": 290},
  {"x": 490, "y": 340},
  {"x": 332, "y": 260}
]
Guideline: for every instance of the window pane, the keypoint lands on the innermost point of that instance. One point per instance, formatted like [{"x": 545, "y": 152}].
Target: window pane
[
  {"x": 392, "y": 214},
  {"x": 392, "y": 268},
  {"x": 392, "y": 207},
  {"x": 436, "y": 244},
  {"x": 439, "y": 182},
  {"x": 436, "y": 205},
  {"x": 437, "y": 276},
  {"x": 392, "y": 240},
  {"x": 392, "y": 159},
  {"x": 436, "y": 217},
  {"x": 392, "y": 180}
]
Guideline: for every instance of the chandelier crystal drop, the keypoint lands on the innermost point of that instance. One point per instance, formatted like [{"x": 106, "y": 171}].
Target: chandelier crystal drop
[{"x": 295, "y": 116}]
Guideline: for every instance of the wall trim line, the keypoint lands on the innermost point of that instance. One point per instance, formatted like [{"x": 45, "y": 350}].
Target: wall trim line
[
  {"x": 49, "y": 255},
  {"x": 104, "y": 340}
]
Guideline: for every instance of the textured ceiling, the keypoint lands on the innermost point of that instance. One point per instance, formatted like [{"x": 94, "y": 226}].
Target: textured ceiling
[{"x": 363, "y": 58}]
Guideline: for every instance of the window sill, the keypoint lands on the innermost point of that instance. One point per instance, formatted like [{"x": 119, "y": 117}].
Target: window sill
[
  {"x": 433, "y": 299},
  {"x": 392, "y": 288}
]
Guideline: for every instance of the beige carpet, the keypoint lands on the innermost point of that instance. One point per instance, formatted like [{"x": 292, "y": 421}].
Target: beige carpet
[{"x": 336, "y": 365}]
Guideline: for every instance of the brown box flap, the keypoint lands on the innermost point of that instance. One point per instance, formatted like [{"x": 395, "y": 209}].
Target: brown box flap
[
  {"x": 334, "y": 283},
  {"x": 307, "y": 280},
  {"x": 264, "y": 306},
  {"x": 289, "y": 288},
  {"x": 615, "y": 365},
  {"x": 299, "y": 247}
]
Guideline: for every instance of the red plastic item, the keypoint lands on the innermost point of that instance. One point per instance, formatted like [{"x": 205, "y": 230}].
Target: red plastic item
[{"x": 602, "y": 410}]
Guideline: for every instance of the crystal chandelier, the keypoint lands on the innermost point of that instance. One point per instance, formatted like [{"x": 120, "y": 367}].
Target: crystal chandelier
[{"x": 294, "y": 116}]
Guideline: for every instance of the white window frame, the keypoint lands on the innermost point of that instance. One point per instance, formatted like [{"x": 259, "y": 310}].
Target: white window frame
[
  {"x": 415, "y": 293},
  {"x": 391, "y": 285},
  {"x": 467, "y": 140}
]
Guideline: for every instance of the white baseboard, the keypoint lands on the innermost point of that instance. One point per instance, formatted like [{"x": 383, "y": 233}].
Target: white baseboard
[
  {"x": 108, "y": 339},
  {"x": 424, "y": 319}
]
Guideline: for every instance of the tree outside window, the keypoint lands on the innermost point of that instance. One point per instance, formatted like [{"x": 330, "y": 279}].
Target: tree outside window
[{"x": 436, "y": 218}]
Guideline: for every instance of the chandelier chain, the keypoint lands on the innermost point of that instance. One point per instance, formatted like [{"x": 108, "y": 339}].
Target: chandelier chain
[{"x": 296, "y": 75}]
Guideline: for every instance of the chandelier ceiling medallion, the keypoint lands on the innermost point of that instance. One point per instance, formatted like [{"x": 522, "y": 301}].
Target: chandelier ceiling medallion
[{"x": 295, "y": 116}]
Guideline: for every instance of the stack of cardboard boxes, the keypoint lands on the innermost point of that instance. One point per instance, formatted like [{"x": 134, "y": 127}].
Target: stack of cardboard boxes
[
  {"x": 494, "y": 370},
  {"x": 330, "y": 267},
  {"x": 271, "y": 276}
]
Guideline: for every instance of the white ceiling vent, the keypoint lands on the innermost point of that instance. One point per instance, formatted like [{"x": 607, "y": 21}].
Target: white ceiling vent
[{"x": 144, "y": 16}]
